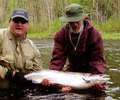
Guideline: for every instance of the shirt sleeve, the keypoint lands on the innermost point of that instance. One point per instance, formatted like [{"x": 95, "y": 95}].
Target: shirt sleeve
[
  {"x": 3, "y": 64},
  {"x": 37, "y": 62},
  {"x": 96, "y": 57},
  {"x": 58, "y": 55}
]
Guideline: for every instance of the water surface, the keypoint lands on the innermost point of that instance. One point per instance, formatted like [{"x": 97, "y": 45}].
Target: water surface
[{"x": 112, "y": 92}]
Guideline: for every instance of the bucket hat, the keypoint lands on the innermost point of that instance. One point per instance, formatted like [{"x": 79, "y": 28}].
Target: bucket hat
[{"x": 74, "y": 13}]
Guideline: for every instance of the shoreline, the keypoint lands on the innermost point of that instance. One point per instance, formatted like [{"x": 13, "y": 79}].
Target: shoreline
[{"x": 105, "y": 36}]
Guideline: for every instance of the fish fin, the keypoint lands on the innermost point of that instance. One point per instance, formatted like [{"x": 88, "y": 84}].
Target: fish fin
[
  {"x": 86, "y": 80},
  {"x": 36, "y": 81}
]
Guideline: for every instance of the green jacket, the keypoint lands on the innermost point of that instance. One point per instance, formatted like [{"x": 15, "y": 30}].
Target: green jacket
[{"x": 17, "y": 55}]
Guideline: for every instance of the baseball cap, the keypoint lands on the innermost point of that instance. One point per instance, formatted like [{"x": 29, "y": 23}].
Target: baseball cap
[{"x": 19, "y": 13}]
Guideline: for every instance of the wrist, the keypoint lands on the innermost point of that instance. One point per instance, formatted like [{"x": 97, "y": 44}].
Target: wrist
[
  {"x": 9, "y": 74},
  {"x": 13, "y": 73}
]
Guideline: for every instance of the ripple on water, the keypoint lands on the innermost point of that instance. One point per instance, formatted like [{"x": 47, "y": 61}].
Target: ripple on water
[
  {"x": 114, "y": 69},
  {"x": 61, "y": 96}
]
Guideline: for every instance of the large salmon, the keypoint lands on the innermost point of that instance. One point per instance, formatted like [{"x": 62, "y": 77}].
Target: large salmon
[{"x": 72, "y": 79}]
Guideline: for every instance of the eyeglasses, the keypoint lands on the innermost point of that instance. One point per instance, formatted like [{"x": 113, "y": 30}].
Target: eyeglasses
[{"x": 17, "y": 20}]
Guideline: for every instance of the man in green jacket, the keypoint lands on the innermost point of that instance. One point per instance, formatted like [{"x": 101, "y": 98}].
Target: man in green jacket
[{"x": 18, "y": 54}]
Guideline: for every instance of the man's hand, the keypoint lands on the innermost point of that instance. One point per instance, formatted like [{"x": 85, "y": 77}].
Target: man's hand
[
  {"x": 45, "y": 82},
  {"x": 66, "y": 89},
  {"x": 17, "y": 78},
  {"x": 98, "y": 86}
]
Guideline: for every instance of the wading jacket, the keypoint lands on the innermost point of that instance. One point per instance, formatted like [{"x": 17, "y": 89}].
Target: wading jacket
[
  {"x": 17, "y": 55},
  {"x": 88, "y": 56}
]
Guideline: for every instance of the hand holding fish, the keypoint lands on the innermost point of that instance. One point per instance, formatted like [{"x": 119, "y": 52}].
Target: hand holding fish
[
  {"x": 65, "y": 89},
  {"x": 18, "y": 78},
  {"x": 96, "y": 86},
  {"x": 45, "y": 82}
]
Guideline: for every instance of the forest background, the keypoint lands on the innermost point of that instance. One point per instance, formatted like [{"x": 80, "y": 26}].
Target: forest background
[{"x": 44, "y": 15}]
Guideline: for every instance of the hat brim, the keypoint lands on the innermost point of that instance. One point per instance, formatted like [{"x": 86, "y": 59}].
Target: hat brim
[
  {"x": 19, "y": 16},
  {"x": 73, "y": 19}
]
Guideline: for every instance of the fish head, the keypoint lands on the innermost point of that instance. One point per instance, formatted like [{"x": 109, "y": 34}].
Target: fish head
[{"x": 100, "y": 78}]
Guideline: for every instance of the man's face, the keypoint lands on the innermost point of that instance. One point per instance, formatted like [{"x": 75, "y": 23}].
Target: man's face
[
  {"x": 76, "y": 25},
  {"x": 19, "y": 26}
]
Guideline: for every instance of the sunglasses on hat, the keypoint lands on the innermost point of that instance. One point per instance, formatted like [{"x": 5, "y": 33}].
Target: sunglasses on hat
[{"x": 17, "y": 20}]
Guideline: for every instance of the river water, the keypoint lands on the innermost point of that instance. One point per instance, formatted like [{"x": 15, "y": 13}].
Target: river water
[{"x": 112, "y": 91}]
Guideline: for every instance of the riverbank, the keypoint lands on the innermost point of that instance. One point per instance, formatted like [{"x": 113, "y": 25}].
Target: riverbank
[
  {"x": 105, "y": 36},
  {"x": 111, "y": 36}
]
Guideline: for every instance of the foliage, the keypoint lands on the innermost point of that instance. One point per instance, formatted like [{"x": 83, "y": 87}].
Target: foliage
[
  {"x": 111, "y": 26},
  {"x": 44, "y": 14}
]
